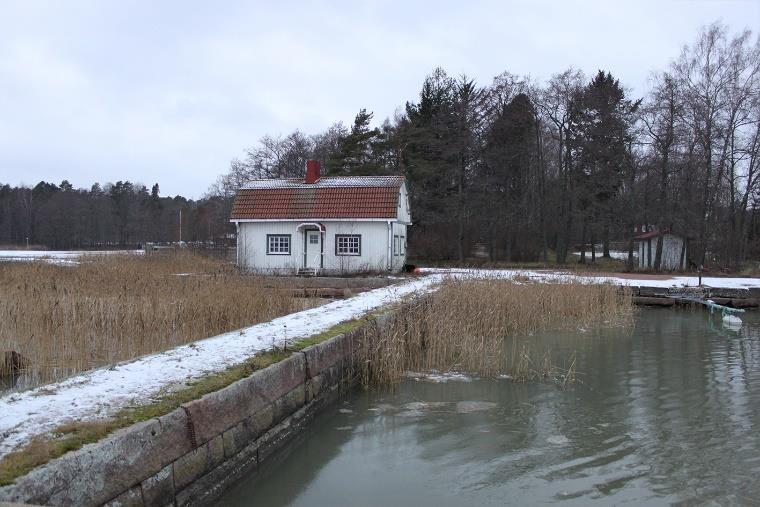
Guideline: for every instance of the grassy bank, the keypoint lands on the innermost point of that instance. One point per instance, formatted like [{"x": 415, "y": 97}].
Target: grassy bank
[
  {"x": 65, "y": 319},
  {"x": 483, "y": 327}
]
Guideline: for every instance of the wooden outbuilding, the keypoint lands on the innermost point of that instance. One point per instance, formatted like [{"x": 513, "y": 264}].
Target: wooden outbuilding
[{"x": 674, "y": 249}]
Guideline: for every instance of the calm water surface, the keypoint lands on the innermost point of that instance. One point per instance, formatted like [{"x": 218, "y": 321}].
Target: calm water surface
[{"x": 666, "y": 413}]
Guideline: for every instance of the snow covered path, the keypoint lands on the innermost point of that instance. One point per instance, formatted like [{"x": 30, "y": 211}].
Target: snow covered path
[
  {"x": 102, "y": 392},
  {"x": 630, "y": 280}
]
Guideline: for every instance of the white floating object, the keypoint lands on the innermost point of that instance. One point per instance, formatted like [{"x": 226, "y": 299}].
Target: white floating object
[
  {"x": 558, "y": 440},
  {"x": 467, "y": 407},
  {"x": 732, "y": 322}
]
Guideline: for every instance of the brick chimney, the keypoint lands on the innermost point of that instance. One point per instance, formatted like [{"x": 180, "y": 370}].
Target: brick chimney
[{"x": 312, "y": 171}]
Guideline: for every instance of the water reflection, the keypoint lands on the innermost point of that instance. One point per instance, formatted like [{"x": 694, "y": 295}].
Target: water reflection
[{"x": 666, "y": 413}]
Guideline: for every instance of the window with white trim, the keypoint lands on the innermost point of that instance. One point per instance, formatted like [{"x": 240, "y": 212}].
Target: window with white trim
[
  {"x": 348, "y": 244},
  {"x": 402, "y": 245},
  {"x": 278, "y": 244},
  {"x": 396, "y": 247}
]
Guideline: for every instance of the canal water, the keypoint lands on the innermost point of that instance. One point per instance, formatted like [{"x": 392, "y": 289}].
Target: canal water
[{"x": 666, "y": 412}]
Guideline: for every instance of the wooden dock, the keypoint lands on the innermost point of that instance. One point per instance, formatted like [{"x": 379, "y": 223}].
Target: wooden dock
[{"x": 725, "y": 300}]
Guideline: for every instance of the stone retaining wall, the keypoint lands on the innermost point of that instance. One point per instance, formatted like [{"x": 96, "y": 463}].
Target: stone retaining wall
[{"x": 189, "y": 456}]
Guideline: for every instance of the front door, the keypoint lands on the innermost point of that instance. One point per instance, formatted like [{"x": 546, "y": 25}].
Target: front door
[{"x": 313, "y": 250}]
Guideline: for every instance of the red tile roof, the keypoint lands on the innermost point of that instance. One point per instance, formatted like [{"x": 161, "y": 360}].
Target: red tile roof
[
  {"x": 340, "y": 197},
  {"x": 654, "y": 234}
]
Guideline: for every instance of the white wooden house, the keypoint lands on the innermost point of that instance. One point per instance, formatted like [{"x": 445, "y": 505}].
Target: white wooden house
[
  {"x": 322, "y": 225},
  {"x": 674, "y": 254}
]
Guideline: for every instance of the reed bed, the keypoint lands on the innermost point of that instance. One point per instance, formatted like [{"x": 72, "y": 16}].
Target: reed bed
[
  {"x": 483, "y": 327},
  {"x": 60, "y": 320}
]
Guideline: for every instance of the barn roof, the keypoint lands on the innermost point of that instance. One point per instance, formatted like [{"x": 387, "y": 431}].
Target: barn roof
[
  {"x": 328, "y": 197},
  {"x": 648, "y": 235},
  {"x": 654, "y": 234}
]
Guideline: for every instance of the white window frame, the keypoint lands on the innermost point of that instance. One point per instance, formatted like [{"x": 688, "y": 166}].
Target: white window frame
[
  {"x": 344, "y": 245},
  {"x": 279, "y": 244}
]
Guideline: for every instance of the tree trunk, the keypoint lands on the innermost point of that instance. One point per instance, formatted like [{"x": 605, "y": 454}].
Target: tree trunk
[
  {"x": 632, "y": 205},
  {"x": 658, "y": 253},
  {"x": 583, "y": 242},
  {"x": 508, "y": 245},
  {"x": 541, "y": 191},
  {"x": 707, "y": 136},
  {"x": 460, "y": 211},
  {"x": 629, "y": 262},
  {"x": 567, "y": 204},
  {"x": 606, "y": 239},
  {"x": 663, "y": 207}
]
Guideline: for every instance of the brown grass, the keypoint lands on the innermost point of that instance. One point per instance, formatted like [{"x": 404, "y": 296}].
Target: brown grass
[
  {"x": 472, "y": 326},
  {"x": 112, "y": 308}
]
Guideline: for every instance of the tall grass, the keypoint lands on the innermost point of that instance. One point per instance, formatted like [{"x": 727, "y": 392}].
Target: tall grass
[
  {"x": 471, "y": 326},
  {"x": 111, "y": 308}
]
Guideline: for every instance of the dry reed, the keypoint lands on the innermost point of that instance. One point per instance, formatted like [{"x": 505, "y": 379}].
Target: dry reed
[
  {"x": 65, "y": 319},
  {"x": 471, "y": 326}
]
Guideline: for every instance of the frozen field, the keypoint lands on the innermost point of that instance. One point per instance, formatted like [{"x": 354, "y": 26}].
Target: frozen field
[{"x": 57, "y": 256}]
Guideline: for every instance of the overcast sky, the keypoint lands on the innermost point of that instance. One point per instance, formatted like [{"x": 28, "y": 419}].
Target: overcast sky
[{"x": 169, "y": 92}]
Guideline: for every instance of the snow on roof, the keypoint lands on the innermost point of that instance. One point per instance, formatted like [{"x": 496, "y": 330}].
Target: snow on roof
[
  {"x": 328, "y": 182},
  {"x": 654, "y": 234}
]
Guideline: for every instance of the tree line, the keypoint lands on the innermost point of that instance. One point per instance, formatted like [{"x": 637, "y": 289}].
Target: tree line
[
  {"x": 519, "y": 170},
  {"x": 115, "y": 215},
  {"x": 514, "y": 170}
]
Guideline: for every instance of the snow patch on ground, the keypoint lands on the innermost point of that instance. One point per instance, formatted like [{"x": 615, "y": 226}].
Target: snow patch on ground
[
  {"x": 614, "y": 254},
  {"x": 63, "y": 257},
  {"x": 629, "y": 280}
]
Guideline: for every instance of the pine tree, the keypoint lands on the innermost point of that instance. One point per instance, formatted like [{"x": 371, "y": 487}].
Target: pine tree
[
  {"x": 601, "y": 132},
  {"x": 510, "y": 154},
  {"x": 355, "y": 153},
  {"x": 427, "y": 133}
]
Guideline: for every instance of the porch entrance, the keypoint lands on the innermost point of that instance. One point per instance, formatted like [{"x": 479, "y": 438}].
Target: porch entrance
[{"x": 312, "y": 251}]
